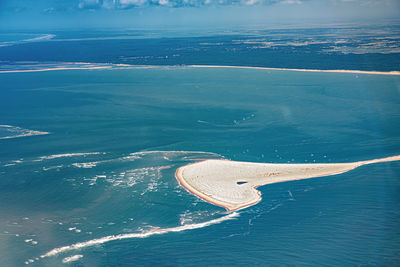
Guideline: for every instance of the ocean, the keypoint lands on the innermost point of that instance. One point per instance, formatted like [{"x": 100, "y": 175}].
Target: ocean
[{"x": 88, "y": 157}]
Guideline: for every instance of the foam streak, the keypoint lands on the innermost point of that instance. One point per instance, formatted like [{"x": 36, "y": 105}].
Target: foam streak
[
  {"x": 68, "y": 155},
  {"x": 19, "y": 132},
  {"x": 157, "y": 231}
]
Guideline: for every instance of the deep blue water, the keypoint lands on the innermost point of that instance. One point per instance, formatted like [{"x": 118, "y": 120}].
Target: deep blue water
[
  {"x": 117, "y": 136},
  {"x": 356, "y": 47}
]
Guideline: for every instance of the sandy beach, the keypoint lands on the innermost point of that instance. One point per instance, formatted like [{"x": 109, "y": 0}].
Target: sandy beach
[
  {"x": 232, "y": 184},
  {"x": 93, "y": 66},
  {"x": 303, "y": 70},
  {"x": 57, "y": 68}
]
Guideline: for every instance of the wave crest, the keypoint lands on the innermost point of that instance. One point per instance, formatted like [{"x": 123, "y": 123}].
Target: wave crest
[
  {"x": 9, "y": 131},
  {"x": 154, "y": 231}
]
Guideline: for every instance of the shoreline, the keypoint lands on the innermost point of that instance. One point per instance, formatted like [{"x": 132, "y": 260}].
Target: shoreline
[
  {"x": 127, "y": 66},
  {"x": 51, "y": 69},
  {"x": 191, "y": 190},
  {"x": 216, "y": 173},
  {"x": 199, "y": 194},
  {"x": 301, "y": 70}
]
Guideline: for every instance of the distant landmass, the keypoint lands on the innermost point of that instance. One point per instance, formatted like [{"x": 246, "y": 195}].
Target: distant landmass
[{"x": 372, "y": 48}]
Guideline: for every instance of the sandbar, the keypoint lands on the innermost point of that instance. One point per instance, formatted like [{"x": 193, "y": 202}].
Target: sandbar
[
  {"x": 97, "y": 66},
  {"x": 303, "y": 70},
  {"x": 232, "y": 184},
  {"x": 56, "y": 68}
]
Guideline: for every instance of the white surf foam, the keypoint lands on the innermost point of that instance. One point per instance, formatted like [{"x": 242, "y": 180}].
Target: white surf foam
[
  {"x": 16, "y": 132},
  {"x": 72, "y": 258},
  {"x": 85, "y": 165},
  {"x": 41, "y": 38},
  {"x": 31, "y": 241},
  {"x": 189, "y": 217},
  {"x": 172, "y": 152},
  {"x": 30, "y": 133},
  {"x": 155, "y": 231},
  {"x": 132, "y": 177},
  {"x": 177, "y": 154},
  {"x": 68, "y": 155}
]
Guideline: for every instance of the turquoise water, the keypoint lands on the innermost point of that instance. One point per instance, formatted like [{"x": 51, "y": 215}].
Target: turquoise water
[{"x": 102, "y": 147}]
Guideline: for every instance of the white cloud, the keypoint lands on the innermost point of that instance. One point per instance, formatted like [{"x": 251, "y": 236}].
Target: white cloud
[{"x": 125, "y": 4}]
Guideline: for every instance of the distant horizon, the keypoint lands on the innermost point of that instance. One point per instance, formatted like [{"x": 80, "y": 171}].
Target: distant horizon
[
  {"x": 198, "y": 30},
  {"x": 104, "y": 14}
]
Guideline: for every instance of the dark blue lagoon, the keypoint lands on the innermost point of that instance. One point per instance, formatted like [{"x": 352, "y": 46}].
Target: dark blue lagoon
[{"x": 88, "y": 161}]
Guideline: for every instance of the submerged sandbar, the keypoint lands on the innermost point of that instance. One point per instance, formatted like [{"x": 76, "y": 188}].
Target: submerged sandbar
[{"x": 232, "y": 184}]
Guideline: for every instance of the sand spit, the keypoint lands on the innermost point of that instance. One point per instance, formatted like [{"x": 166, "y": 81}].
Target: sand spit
[
  {"x": 57, "y": 68},
  {"x": 97, "y": 66},
  {"x": 308, "y": 70},
  {"x": 232, "y": 184}
]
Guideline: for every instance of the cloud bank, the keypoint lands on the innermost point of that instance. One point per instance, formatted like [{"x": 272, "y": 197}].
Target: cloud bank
[
  {"x": 50, "y": 6},
  {"x": 127, "y": 4},
  {"x": 134, "y": 13}
]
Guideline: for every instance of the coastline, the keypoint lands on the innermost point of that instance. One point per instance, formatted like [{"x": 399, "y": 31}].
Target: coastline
[
  {"x": 92, "y": 66},
  {"x": 197, "y": 193},
  {"x": 301, "y": 70},
  {"x": 51, "y": 69}
]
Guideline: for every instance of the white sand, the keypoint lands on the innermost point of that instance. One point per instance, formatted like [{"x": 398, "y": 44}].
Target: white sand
[
  {"x": 305, "y": 70},
  {"x": 92, "y": 66},
  {"x": 57, "y": 68},
  {"x": 216, "y": 181}
]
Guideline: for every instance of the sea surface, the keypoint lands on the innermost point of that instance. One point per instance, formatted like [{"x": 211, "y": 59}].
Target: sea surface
[
  {"x": 348, "y": 47},
  {"x": 88, "y": 157}
]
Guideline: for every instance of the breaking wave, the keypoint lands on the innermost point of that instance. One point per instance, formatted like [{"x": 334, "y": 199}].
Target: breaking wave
[
  {"x": 146, "y": 176},
  {"x": 56, "y": 156},
  {"x": 155, "y": 231},
  {"x": 37, "y": 38},
  {"x": 72, "y": 258},
  {"x": 9, "y": 131}
]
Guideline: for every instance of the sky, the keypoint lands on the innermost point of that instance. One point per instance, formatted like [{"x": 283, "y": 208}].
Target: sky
[{"x": 74, "y": 14}]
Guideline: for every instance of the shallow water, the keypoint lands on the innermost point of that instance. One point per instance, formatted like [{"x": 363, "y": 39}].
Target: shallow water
[{"x": 116, "y": 137}]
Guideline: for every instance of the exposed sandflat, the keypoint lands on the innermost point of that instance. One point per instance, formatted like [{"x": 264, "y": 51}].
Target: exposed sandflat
[
  {"x": 216, "y": 181},
  {"x": 303, "y": 70},
  {"x": 93, "y": 66}
]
